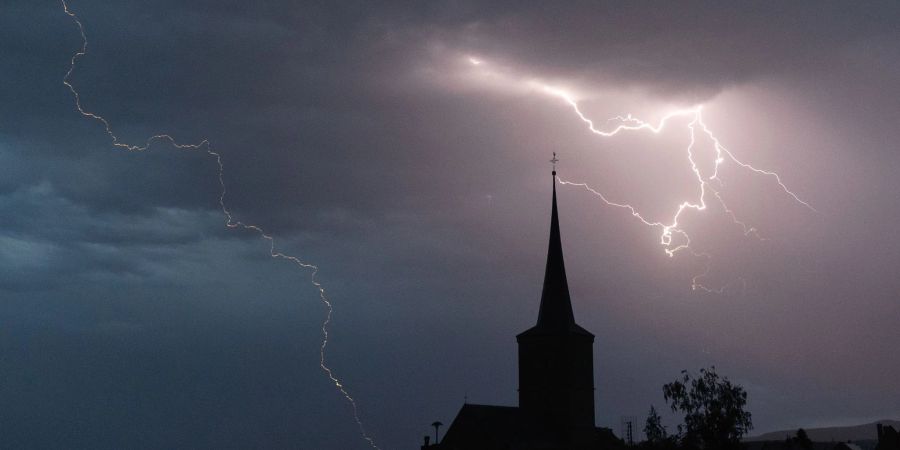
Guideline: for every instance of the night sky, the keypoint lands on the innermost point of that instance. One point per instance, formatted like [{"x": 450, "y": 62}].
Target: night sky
[{"x": 362, "y": 137}]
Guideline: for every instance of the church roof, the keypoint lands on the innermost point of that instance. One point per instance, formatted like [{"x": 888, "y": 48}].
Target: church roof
[
  {"x": 555, "y": 315},
  {"x": 489, "y": 427},
  {"x": 494, "y": 427}
]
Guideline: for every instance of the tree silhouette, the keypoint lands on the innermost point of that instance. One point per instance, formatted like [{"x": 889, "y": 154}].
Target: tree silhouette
[
  {"x": 802, "y": 439},
  {"x": 657, "y": 436},
  {"x": 713, "y": 407},
  {"x": 654, "y": 429}
]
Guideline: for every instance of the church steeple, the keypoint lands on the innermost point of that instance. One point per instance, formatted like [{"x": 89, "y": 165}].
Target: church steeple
[
  {"x": 555, "y": 314},
  {"x": 556, "y": 377},
  {"x": 556, "y": 360},
  {"x": 556, "y": 305}
]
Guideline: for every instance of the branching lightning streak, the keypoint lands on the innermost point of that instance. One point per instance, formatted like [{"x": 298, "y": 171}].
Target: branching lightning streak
[
  {"x": 673, "y": 238},
  {"x": 230, "y": 222},
  {"x": 630, "y": 123}
]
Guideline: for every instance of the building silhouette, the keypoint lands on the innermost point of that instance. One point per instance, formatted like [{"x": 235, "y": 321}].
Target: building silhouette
[
  {"x": 888, "y": 438},
  {"x": 556, "y": 380}
]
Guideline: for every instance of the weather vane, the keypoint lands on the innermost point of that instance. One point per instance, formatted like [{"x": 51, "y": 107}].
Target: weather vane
[{"x": 554, "y": 161}]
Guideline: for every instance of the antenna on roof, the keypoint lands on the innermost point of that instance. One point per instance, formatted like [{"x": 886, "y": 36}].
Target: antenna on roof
[{"x": 628, "y": 423}]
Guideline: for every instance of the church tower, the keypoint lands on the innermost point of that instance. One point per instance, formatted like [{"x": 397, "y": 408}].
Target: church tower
[
  {"x": 556, "y": 380},
  {"x": 556, "y": 360}
]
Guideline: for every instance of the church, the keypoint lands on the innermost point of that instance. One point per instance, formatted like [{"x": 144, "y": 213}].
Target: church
[{"x": 556, "y": 380}]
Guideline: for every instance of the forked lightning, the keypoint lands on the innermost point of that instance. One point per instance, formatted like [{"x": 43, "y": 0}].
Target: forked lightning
[
  {"x": 230, "y": 222},
  {"x": 673, "y": 238}
]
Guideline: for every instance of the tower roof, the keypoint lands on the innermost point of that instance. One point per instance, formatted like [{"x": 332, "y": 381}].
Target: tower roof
[{"x": 555, "y": 315}]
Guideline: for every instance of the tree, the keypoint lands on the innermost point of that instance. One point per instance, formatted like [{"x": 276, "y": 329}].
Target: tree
[
  {"x": 802, "y": 439},
  {"x": 657, "y": 436},
  {"x": 713, "y": 407},
  {"x": 654, "y": 429}
]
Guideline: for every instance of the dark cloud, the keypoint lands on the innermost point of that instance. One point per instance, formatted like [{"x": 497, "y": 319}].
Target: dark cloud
[
  {"x": 689, "y": 50},
  {"x": 132, "y": 317}
]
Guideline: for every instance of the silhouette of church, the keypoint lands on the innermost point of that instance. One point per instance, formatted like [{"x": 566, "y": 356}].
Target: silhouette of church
[{"x": 556, "y": 380}]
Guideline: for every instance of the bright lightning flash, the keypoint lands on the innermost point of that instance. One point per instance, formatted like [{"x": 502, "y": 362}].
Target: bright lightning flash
[
  {"x": 670, "y": 229},
  {"x": 230, "y": 222}
]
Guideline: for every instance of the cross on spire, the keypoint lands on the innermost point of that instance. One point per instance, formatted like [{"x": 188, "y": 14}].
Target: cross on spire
[{"x": 554, "y": 161}]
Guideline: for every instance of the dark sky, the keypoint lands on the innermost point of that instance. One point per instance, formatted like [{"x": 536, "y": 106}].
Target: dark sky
[{"x": 360, "y": 136}]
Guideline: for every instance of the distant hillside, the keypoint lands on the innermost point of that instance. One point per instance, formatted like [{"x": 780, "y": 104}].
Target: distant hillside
[
  {"x": 779, "y": 445},
  {"x": 836, "y": 434}
]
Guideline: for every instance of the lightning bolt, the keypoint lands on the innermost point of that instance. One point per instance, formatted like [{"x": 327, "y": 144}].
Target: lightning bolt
[
  {"x": 673, "y": 237},
  {"x": 230, "y": 221}
]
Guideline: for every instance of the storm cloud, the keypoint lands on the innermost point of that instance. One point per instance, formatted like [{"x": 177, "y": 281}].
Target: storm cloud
[{"x": 131, "y": 316}]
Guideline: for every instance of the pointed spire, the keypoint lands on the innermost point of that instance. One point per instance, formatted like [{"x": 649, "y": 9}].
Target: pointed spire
[{"x": 556, "y": 305}]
